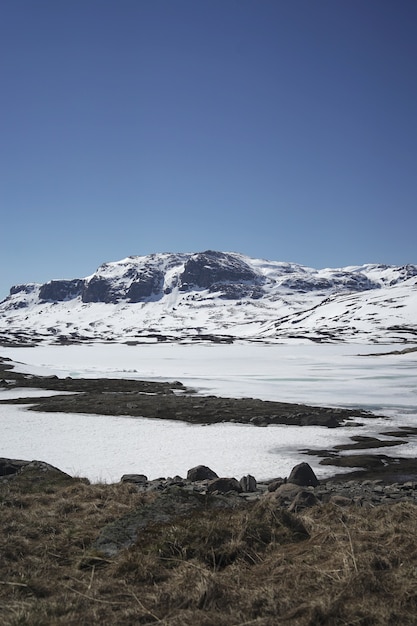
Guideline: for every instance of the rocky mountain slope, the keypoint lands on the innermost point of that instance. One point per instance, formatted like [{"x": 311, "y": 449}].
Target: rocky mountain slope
[{"x": 215, "y": 296}]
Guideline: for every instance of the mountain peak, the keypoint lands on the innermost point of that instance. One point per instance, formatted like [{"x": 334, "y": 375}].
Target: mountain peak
[{"x": 182, "y": 296}]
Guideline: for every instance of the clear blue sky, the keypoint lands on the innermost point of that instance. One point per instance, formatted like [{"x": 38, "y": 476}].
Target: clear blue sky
[{"x": 282, "y": 129}]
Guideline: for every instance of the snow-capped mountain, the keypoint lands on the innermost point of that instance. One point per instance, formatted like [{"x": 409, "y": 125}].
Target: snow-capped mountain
[{"x": 219, "y": 296}]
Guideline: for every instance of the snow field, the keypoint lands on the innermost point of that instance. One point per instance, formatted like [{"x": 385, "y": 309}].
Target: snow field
[{"x": 105, "y": 447}]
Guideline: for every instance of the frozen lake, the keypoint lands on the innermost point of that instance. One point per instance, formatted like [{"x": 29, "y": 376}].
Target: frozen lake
[{"x": 104, "y": 448}]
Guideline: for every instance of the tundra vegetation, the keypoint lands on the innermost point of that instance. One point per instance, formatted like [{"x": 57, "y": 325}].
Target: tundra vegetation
[{"x": 212, "y": 564}]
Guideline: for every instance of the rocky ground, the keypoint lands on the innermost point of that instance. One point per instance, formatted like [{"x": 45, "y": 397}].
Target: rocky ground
[{"x": 173, "y": 498}]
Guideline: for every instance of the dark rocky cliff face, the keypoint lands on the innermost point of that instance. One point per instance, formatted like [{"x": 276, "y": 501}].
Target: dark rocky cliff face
[
  {"x": 230, "y": 276},
  {"x": 344, "y": 281},
  {"x": 218, "y": 271},
  {"x": 100, "y": 289},
  {"x": 28, "y": 288},
  {"x": 61, "y": 290},
  {"x": 146, "y": 284},
  {"x": 136, "y": 286},
  {"x": 404, "y": 273}
]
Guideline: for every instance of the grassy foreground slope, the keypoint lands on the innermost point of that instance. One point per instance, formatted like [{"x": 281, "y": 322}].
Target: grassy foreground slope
[{"x": 247, "y": 563}]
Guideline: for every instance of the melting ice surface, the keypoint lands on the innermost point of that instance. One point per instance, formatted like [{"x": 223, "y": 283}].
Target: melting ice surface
[{"x": 105, "y": 447}]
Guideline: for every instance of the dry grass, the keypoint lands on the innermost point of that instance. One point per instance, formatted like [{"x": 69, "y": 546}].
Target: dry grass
[{"x": 256, "y": 565}]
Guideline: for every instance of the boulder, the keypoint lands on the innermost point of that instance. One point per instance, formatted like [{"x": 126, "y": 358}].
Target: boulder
[
  {"x": 201, "y": 472},
  {"x": 224, "y": 485},
  {"x": 139, "y": 479},
  {"x": 303, "y": 475},
  {"x": 277, "y": 482},
  {"x": 41, "y": 467},
  {"x": 286, "y": 493},
  {"x": 248, "y": 483}
]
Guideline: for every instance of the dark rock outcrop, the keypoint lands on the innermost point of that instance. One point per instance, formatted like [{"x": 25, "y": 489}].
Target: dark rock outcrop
[
  {"x": 146, "y": 284},
  {"x": 219, "y": 271},
  {"x": 134, "y": 285},
  {"x": 11, "y": 466},
  {"x": 345, "y": 281},
  {"x": 61, "y": 290},
  {"x": 33, "y": 475},
  {"x": 28, "y": 288},
  {"x": 100, "y": 289},
  {"x": 404, "y": 273}
]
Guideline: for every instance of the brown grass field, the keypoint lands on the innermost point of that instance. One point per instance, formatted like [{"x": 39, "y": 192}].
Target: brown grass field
[{"x": 253, "y": 564}]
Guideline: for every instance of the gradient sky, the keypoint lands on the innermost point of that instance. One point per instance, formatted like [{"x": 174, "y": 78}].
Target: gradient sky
[{"x": 282, "y": 129}]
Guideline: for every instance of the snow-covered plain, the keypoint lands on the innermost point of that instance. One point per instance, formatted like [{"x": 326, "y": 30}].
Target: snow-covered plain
[{"x": 104, "y": 448}]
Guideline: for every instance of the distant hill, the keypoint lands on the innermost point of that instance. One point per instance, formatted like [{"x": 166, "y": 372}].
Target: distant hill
[{"x": 217, "y": 296}]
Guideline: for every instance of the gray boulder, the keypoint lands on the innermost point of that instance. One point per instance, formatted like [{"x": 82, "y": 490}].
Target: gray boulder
[
  {"x": 248, "y": 483},
  {"x": 224, "y": 485},
  {"x": 277, "y": 482},
  {"x": 286, "y": 493},
  {"x": 303, "y": 500},
  {"x": 11, "y": 466},
  {"x": 303, "y": 475},
  {"x": 201, "y": 472},
  {"x": 139, "y": 479}
]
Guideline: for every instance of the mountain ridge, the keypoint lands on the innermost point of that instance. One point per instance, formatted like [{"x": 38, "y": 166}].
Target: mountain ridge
[{"x": 224, "y": 296}]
